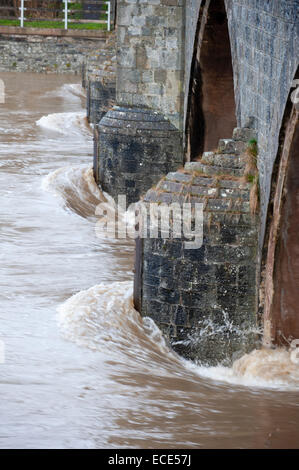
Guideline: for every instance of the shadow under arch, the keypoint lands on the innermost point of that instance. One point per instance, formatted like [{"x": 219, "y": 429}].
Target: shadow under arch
[
  {"x": 211, "y": 111},
  {"x": 281, "y": 247}
]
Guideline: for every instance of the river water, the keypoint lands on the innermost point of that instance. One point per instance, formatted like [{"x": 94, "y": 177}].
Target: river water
[{"x": 81, "y": 369}]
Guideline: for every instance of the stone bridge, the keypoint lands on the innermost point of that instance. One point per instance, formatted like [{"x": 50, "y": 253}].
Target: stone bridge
[{"x": 205, "y": 112}]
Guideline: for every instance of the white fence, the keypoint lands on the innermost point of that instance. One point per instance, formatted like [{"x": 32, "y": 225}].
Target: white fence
[{"x": 68, "y": 12}]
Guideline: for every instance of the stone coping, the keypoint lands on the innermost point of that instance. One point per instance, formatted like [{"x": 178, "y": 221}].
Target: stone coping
[{"x": 70, "y": 33}]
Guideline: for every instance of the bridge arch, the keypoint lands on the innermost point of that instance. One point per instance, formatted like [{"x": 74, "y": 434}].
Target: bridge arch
[
  {"x": 281, "y": 314},
  {"x": 211, "y": 112}
]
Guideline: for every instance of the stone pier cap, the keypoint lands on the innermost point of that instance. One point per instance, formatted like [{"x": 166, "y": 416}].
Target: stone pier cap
[{"x": 137, "y": 146}]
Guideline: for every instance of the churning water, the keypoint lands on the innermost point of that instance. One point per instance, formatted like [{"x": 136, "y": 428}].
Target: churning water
[{"x": 82, "y": 369}]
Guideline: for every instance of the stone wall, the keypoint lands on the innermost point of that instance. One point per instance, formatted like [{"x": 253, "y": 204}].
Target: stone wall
[
  {"x": 205, "y": 299},
  {"x": 185, "y": 292},
  {"x": 99, "y": 80},
  {"x": 265, "y": 44},
  {"x": 135, "y": 148},
  {"x": 47, "y": 54},
  {"x": 140, "y": 139},
  {"x": 151, "y": 56},
  {"x": 192, "y": 14}
]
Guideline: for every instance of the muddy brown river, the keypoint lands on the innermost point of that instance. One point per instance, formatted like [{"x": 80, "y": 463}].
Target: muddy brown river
[{"x": 81, "y": 368}]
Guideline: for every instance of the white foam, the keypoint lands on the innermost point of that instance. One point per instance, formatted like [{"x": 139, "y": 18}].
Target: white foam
[
  {"x": 70, "y": 124},
  {"x": 99, "y": 316},
  {"x": 71, "y": 175},
  {"x": 264, "y": 368},
  {"x": 76, "y": 189},
  {"x": 76, "y": 89},
  {"x": 103, "y": 318},
  {"x": 69, "y": 91}
]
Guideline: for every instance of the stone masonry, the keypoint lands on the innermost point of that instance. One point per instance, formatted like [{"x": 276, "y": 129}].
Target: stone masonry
[
  {"x": 98, "y": 78},
  {"x": 135, "y": 146},
  {"x": 205, "y": 299},
  {"x": 265, "y": 42},
  {"x": 45, "y": 54},
  {"x": 150, "y": 59}
]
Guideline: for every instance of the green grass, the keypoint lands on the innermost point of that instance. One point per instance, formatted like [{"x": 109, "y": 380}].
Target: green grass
[{"x": 54, "y": 24}]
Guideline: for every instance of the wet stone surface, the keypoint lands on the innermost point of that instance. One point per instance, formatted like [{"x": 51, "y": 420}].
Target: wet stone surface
[
  {"x": 204, "y": 299},
  {"x": 136, "y": 148}
]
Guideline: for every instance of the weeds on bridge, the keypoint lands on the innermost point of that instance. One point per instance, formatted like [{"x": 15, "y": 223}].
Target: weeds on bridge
[{"x": 251, "y": 174}]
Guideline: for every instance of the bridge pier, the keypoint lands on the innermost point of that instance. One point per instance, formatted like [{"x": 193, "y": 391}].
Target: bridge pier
[{"x": 205, "y": 299}]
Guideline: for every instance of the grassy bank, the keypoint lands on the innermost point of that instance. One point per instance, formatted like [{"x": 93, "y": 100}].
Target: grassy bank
[{"x": 54, "y": 24}]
